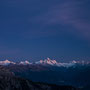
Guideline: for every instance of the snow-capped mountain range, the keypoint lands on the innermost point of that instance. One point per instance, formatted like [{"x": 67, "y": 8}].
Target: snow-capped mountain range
[
  {"x": 47, "y": 61},
  {"x": 6, "y": 62}
]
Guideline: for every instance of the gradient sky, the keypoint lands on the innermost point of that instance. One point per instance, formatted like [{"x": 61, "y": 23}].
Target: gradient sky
[{"x": 37, "y": 29}]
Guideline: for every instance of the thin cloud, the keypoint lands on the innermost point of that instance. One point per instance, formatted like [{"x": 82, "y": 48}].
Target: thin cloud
[
  {"x": 42, "y": 15},
  {"x": 71, "y": 13}
]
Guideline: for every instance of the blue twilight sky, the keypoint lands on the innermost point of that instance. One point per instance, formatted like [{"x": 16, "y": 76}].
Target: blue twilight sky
[{"x": 37, "y": 29}]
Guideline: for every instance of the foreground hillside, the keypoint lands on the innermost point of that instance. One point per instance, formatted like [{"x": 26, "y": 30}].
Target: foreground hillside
[
  {"x": 8, "y": 81},
  {"x": 77, "y": 76}
]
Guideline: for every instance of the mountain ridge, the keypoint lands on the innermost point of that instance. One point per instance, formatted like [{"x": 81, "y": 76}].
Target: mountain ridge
[{"x": 47, "y": 61}]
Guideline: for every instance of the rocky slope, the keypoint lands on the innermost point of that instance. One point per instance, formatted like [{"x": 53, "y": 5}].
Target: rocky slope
[{"x": 8, "y": 81}]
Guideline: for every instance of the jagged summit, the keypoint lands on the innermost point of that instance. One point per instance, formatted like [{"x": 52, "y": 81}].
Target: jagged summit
[
  {"x": 24, "y": 62},
  {"x": 6, "y": 62},
  {"x": 47, "y": 61}
]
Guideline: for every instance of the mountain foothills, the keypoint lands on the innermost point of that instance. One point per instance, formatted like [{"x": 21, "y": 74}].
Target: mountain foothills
[
  {"x": 8, "y": 81},
  {"x": 75, "y": 73}
]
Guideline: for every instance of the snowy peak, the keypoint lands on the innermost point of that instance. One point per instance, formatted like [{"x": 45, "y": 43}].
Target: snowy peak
[
  {"x": 47, "y": 61},
  {"x": 6, "y": 62},
  {"x": 25, "y": 62},
  {"x": 81, "y": 62}
]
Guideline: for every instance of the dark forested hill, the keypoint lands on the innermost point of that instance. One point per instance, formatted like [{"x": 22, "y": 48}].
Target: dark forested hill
[{"x": 8, "y": 81}]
